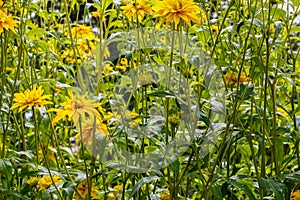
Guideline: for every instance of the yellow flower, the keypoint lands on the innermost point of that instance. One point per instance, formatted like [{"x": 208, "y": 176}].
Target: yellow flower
[
  {"x": 45, "y": 182},
  {"x": 88, "y": 130},
  {"x": 295, "y": 195},
  {"x": 114, "y": 195},
  {"x": 215, "y": 29},
  {"x": 85, "y": 48},
  {"x": 282, "y": 112},
  {"x": 83, "y": 31},
  {"x": 174, "y": 10},
  {"x": 33, "y": 181},
  {"x": 107, "y": 69},
  {"x": 31, "y": 98},
  {"x": 231, "y": 78},
  {"x": 165, "y": 196},
  {"x": 76, "y": 106},
  {"x": 83, "y": 190},
  {"x": 124, "y": 62},
  {"x": 139, "y": 7},
  {"x": 271, "y": 29},
  {"x": 7, "y": 22},
  {"x": 47, "y": 152}
]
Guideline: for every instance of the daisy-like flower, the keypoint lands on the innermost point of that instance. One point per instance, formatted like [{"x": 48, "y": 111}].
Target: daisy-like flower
[
  {"x": 88, "y": 130},
  {"x": 295, "y": 195},
  {"x": 45, "y": 182},
  {"x": 139, "y": 7},
  {"x": 174, "y": 10},
  {"x": 232, "y": 78},
  {"x": 85, "y": 48},
  {"x": 83, "y": 190},
  {"x": 31, "y": 98},
  {"x": 83, "y": 31},
  {"x": 7, "y": 22},
  {"x": 75, "y": 107},
  {"x": 33, "y": 181}
]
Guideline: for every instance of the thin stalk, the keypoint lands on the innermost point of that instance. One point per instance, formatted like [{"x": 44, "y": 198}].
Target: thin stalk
[
  {"x": 37, "y": 137},
  {"x": 83, "y": 157}
]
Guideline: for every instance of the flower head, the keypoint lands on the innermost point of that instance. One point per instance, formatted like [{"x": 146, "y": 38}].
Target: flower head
[
  {"x": 174, "y": 10},
  {"x": 83, "y": 190},
  {"x": 76, "y": 106},
  {"x": 295, "y": 195},
  {"x": 232, "y": 78},
  {"x": 83, "y": 31},
  {"x": 31, "y": 98},
  {"x": 139, "y": 7},
  {"x": 46, "y": 181},
  {"x": 7, "y": 22},
  {"x": 33, "y": 181}
]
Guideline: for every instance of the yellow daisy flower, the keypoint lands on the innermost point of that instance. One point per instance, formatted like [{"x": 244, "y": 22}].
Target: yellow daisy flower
[
  {"x": 295, "y": 195},
  {"x": 174, "y": 10},
  {"x": 45, "y": 182},
  {"x": 139, "y": 7},
  {"x": 82, "y": 31},
  {"x": 33, "y": 181},
  {"x": 76, "y": 106},
  {"x": 83, "y": 190},
  {"x": 7, "y": 22},
  {"x": 85, "y": 48},
  {"x": 232, "y": 78},
  {"x": 31, "y": 98}
]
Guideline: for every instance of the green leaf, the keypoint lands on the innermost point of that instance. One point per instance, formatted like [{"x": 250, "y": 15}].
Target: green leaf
[
  {"x": 162, "y": 93},
  {"x": 68, "y": 189},
  {"x": 35, "y": 33},
  {"x": 142, "y": 182},
  {"x": 6, "y": 168},
  {"x": 236, "y": 182},
  {"x": 175, "y": 166},
  {"x": 216, "y": 191},
  {"x": 28, "y": 153},
  {"x": 66, "y": 149},
  {"x": 276, "y": 187},
  {"x": 11, "y": 194}
]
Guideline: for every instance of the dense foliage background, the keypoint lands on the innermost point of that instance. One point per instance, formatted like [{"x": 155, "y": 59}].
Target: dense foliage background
[{"x": 78, "y": 76}]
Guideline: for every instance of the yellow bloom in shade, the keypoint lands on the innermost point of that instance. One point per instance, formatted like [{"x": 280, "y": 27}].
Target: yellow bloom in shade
[
  {"x": 232, "y": 78},
  {"x": 174, "y": 10},
  {"x": 31, "y": 98},
  {"x": 45, "y": 182},
  {"x": 83, "y": 191},
  {"x": 76, "y": 106},
  {"x": 88, "y": 130},
  {"x": 295, "y": 195},
  {"x": 7, "y": 22},
  {"x": 165, "y": 196},
  {"x": 139, "y": 7},
  {"x": 33, "y": 181}
]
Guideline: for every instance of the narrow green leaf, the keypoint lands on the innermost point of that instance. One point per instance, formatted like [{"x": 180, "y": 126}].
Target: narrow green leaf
[{"x": 142, "y": 182}]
